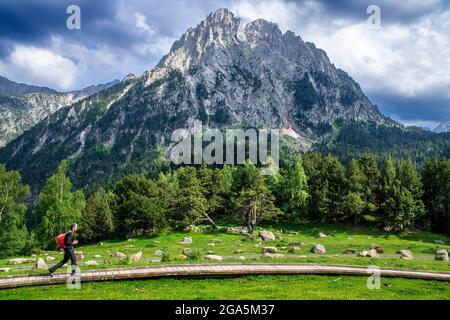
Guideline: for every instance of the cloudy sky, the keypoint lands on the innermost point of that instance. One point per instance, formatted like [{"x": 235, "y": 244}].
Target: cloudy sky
[{"x": 403, "y": 66}]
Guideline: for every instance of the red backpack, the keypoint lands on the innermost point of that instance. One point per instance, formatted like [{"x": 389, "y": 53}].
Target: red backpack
[{"x": 60, "y": 241}]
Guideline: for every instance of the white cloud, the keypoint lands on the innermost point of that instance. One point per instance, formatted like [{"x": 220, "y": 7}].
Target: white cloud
[{"x": 40, "y": 66}]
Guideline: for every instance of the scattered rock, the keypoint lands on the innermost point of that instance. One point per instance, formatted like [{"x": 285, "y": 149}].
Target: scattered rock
[
  {"x": 100, "y": 243},
  {"x": 322, "y": 235},
  {"x": 186, "y": 251},
  {"x": 40, "y": 264},
  {"x": 131, "y": 240},
  {"x": 377, "y": 248},
  {"x": 350, "y": 251},
  {"x": 33, "y": 255},
  {"x": 406, "y": 254},
  {"x": 216, "y": 240},
  {"x": 79, "y": 255},
  {"x": 238, "y": 251},
  {"x": 120, "y": 255},
  {"x": 211, "y": 244},
  {"x": 212, "y": 257},
  {"x": 266, "y": 235},
  {"x": 158, "y": 253},
  {"x": 241, "y": 258},
  {"x": 180, "y": 257},
  {"x": 372, "y": 253},
  {"x": 186, "y": 240},
  {"x": 293, "y": 249},
  {"x": 135, "y": 257},
  {"x": 97, "y": 256},
  {"x": 49, "y": 258},
  {"x": 271, "y": 255},
  {"x": 5, "y": 269},
  {"x": 318, "y": 248},
  {"x": 439, "y": 241},
  {"x": 21, "y": 261},
  {"x": 269, "y": 250},
  {"x": 441, "y": 255},
  {"x": 91, "y": 263},
  {"x": 296, "y": 244},
  {"x": 210, "y": 252},
  {"x": 240, "y": 230}
]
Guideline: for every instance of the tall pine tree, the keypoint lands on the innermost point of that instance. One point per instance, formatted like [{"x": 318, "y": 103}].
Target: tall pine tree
[
  {"x": 58, "y": 207},
  {"x": 13, "y": 233}
]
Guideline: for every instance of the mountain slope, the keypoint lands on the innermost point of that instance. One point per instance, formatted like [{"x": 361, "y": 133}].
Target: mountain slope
[
  {"x": 443, "y": 127},
  {"x": 19, "y": 113},
  {"x": 11, "y": 88},
  {"x": 222, "y": 73}
]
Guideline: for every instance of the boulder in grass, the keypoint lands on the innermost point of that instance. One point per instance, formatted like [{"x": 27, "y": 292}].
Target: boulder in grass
[
  {"x": 293, "y": 249},
  {"x": 97, "y": 256},
  {"x": 187, "y": 240},
  {"x": 241, "y": 258},
  {"x": 238, "y": 251},
  {"x": 350, "y": 251},
  {"x": 318, "y": 249},
  {"x": 79, "y": 255},
  {"x": 21, "y": 261},
  {"x": 406, "y": 255},
  {"x": 158, "y": 253},
  {"x": 120, "y": 255},
  {"x": 135, "y": 257},
  {"x": 40, "y": 264},
  {"x": 296, "y": 244},
  {"x": 441, "y": 255},
  {"x": 271, "y": 255},
  {"x": 269, "y": 250},
  {"x": 322, "y": 235},
  {"x": 186, "y": 251},
  {"x": 4, "y": 269},
  {"x": 376, "y": 247},
  {"x": 373, "y": 253},
  {"x": 363, "y": 254},
  {"x": 212, "y": 257},
  {"x": 439, "y": 241},
  {"x": 49, "y": 258},
  {"x": 266, "y": 235},
  {"x": 91, "y": 263}
]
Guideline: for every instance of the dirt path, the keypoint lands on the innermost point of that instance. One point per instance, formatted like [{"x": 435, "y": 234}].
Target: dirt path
[{"x": 211, "y": 270}]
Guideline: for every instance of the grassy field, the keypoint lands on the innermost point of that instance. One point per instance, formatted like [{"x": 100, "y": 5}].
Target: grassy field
[
  {"x": 251, "y": 287},
  {"x": 233, "y": 246}
]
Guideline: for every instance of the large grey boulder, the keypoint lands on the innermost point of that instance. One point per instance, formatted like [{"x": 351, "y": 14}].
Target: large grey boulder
[
  {"x": 271, "y": 255},
  {"x": 21, "y": 261},
  {"x": 40, "y": 264},
  {"x": 406, "y": 255},
  {"x": 135, "y": 257},
  {"x": 266, "y": 235},
  {"x": 318, "y": 248},
  {"x": 376, "y": 247},
  {"x": 269, "y": 250},
  {"x": 212, "y": 257},
  {"x": 91, "y": 263},
  {"x": 120, "y": 255},
  {"x": 441, "y": 255}
]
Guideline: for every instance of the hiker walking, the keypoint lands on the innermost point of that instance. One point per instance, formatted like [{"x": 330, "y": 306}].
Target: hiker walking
[{"x": 69, "y": 253}]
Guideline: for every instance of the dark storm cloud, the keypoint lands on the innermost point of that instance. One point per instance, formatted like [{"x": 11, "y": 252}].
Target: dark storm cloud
[
  {"x": 433, "y": 108},
  {"x": 33, "y": 22},
  {"x": 397, "y": 11}
]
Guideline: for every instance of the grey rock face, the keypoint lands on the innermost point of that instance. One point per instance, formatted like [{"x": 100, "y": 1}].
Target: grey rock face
[
  {"x": 222, "y": 73},
  {"x": 443, "y": 127}
]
